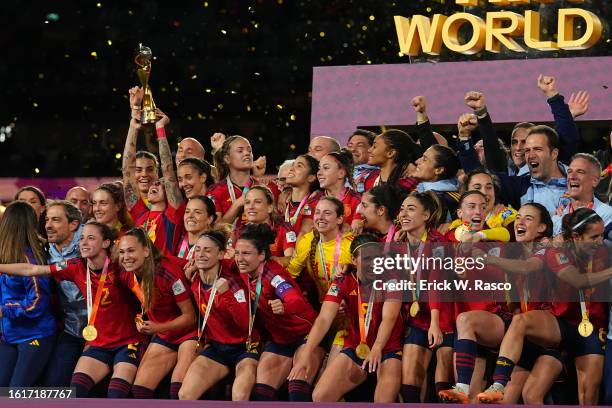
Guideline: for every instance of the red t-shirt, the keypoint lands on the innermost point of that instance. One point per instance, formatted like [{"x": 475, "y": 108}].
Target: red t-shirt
[
  {"x": 118, "y": 305},
  {"x": 299, "y": 316},
  {"x": 171, "y": 287},
  {"x": 164, "y": 228},
  {"x": 345, "y": 288},
  {"x": 306, "y": 212},
  {"x": 368, "y": 180},
  {"x": 557, "y": 259},
  {"x": 228, "y": 322}
]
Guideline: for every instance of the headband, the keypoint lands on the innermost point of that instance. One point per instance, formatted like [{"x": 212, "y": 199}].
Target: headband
[{"x": 581, "y": 223}]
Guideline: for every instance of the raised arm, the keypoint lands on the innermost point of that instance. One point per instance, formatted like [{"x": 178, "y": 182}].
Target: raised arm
[
  {"x": 129, "y": 151},
  {"x": 564, "y": 120},
  {"x": 173, "y": 192},
  {"x": 495, "y": 157},
  {"x": 424, "y": 132},
  {"x": 466, "y": 124}
]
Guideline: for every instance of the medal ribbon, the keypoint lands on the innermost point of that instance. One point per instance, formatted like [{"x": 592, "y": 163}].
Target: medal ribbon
[
  {"x": 364, "y": 318},
  {"x": 230, "y": 188},
  {"x": 209, "y": 305},
  {"x": 92, "y": 309},
  {"x": 416, "y": 291},
  {"x": 584, "y": 307},
  {"x": 253, "y": 303},
  {"x": 328, "y": 275},
  {"x": 293, "y": 220},
  {"x": 184, "y": 246}
]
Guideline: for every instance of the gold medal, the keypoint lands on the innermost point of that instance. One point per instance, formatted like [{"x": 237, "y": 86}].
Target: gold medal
[
  {"x": 414, "y": 308},
  {"x": 362, "y": 351},
  {"x": 585, "y": 328},
  {"x": 460, "y": 230},
  {"x": 90, "y": 333},
  {"x": 138, "y": 319}
]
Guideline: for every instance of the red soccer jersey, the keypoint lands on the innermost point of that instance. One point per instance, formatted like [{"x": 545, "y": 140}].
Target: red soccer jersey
[
  {"x": 298, "y": 317},
  {"x": 306, "y": 212},
  {"x": 284, "y": 239},
  {"x": 435, "y": 300},
  {"x": 165, "y": 228},
  {"x": 557, "y": 259},
  {"x": 171, "y": 287},
  {"x": 368, "y": 180},
  {"x": 345, "y": 288},
  {"x": 118, "y": 305},
  {"x": 228, "y": 322},
  {"x": 351, "y": 200}
]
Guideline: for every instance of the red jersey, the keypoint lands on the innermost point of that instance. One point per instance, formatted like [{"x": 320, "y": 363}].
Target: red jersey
[
  {"x": 296, "y": 213},
  {"x": 351, "y": 200},
  {"x": 299, "y": 316},
  {"x": 285, "y": 237},
  {"x": 557, "y": 259},
  {"x": 446, "y": 308},
  {"x": 345, "y": 288},
  {"x": 228, "y": 322},
  {"x": 164, "y": 228},
  {"x": 171, "y": 287},
  {"x": 118, "y": 304},
  {"x": 368, "y": 180}
]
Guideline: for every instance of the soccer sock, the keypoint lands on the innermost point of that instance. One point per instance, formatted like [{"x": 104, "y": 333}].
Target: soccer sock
[
  {"x": 300, "y": 391},
  {"x": 410, "y": 393},
  {"x": 140, "y": 392},
  {"x": 82, "y": 383},
  {"x": 465, "y": 360},
  {"x": 174, "y": 389},
  {"x": 503, "y": 370},
  {"x": 118, "y": 388},
  {"x": 263, "y": 392}
]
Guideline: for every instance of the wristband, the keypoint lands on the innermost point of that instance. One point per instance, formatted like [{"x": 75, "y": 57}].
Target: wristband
[
  {"x": 161, "y": 132},
  {"x": 481, "y": 113}
]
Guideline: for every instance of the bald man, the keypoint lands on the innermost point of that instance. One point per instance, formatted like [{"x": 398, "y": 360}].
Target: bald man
[
  {"x": 322, "y": 145},
  {"x": 80, "y": 197},
  {"x": 189, "y": 147}
]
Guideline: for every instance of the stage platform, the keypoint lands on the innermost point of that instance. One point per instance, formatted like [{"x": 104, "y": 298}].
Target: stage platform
[{"x": 130, "y": 403}]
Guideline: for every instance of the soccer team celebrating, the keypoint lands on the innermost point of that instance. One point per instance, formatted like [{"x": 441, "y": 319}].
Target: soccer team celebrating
[{"x": 191, "y": 280}]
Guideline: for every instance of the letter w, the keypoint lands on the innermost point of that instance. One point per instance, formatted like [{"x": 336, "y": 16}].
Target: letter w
[
  {"x": 461, "y": 284},
  {"x": 420, "y": 33}
]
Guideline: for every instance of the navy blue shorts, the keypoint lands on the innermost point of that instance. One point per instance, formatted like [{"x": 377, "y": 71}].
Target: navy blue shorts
[
  {"x": 576, "y": 345},
  {"x": 531, "y": 352},
  {"x": 229, "y": 355},
  {"x": 418, "y": 337},
  {"x": 171, "y": 346},
  {"x": 285, "y": 350},
  {"x": 350, "y": 352},
  {"x": 130, "y": 353}
]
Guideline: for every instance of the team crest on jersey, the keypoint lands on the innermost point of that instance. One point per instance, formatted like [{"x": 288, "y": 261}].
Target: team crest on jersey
[
  {"x": 290, "y": 236},
  {"x": 240, "y": 296},
  {"x": 178, "y": 288},
  {"x": 61, "y": 265},
  {"x": 495, "y": 251},
  {"x": 307, "y": 210},
  {"x": 562, "y": 259},
  {"x": 333, "y": 290}
]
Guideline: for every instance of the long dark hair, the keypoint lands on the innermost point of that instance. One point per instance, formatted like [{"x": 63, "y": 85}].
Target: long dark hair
[
  {"x": 345, "y": 161},
  {"x": 432, "y": 204},
  {"x": 149, "y": 267},
  {"x": 314, "y": 168},
  {"x": 43, "y": 201},
  {"x": 390, "y": 197},
  {"x": 578, "y": 222},
  {"x": 201, "y": 166},
  {"x": 446, "y": 159},
  {"x": 106, "y": 232},
  {"x": 18, "y": 233},
  {"x": 544, "y": 218},
  {"x": 261, "y": 236},
  {"x": 407, "y": 151}
]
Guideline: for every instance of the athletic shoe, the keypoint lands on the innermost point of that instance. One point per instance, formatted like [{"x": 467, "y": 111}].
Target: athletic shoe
[
  {"x": 454, "y": 395},
  {"x": 493, "y": 395}
]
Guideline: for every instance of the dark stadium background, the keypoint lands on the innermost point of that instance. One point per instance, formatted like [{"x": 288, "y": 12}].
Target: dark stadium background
[{"x": 233, "y": 66}]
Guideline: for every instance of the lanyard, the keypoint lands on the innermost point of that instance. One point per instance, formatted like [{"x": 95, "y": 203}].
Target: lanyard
[
  {"x": 584, "y": 300},
  {"x": 293, "y": 220},
  {"x": 92, "y": 305},
  {"x": 209, "y": 306},
  {"x": 416, "y": 291},
  {"x": 328, "y": 275},
  {"x": 184, "y": 248},
  {"x": 364, "y": 318},
  {"x": 253, "y": 303},
  {"x": 230, "y": 188}
]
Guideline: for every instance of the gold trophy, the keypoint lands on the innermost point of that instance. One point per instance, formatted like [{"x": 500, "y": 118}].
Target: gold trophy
[{"x": 143, "y": 60}]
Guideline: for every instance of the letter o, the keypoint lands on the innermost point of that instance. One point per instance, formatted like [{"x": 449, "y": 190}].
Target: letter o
[{"x": 450, "y": 33}]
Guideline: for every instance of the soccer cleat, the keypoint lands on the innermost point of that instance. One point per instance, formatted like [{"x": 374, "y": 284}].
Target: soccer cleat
[
  {"x": 455, "y": 395},
  {"x": 492, "y": 395}
]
